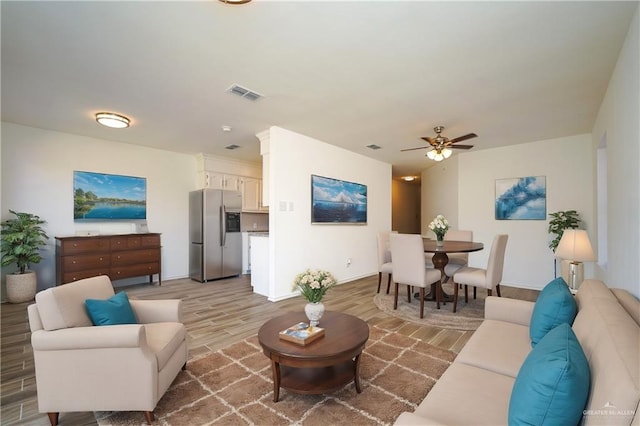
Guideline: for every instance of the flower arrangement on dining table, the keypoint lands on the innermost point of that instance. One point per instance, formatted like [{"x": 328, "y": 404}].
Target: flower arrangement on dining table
[
  {"x": 313, "y": 284},
  {"x": 439, "y": 225}
]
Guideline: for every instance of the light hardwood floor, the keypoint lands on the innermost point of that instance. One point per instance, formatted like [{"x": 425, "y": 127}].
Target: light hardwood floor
[{"x": 216, "y": 314}]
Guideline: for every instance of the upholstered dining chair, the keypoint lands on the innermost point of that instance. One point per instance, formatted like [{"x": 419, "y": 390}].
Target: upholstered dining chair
[
  {"x": 127, "y": 366},
  {"x": 384, "y": 257},
  {"x": 488, "y": 278},
  {"x": 408, "y": 267}
]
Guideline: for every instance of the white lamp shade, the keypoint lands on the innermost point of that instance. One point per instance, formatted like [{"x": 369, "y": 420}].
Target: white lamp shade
[
  {"x": 575, "y": 246},
  {"x": 447, "y": 152}
]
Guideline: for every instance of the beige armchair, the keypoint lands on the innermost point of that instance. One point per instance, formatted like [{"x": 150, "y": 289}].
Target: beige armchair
[{"x": 82, "y": 367}]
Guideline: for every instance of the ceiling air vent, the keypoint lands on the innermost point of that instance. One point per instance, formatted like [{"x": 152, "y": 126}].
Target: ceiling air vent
[
  {"x": 373, "y": 146},
  {"x": 243, "y": 92},
  {"x": 232, "y": 146}
]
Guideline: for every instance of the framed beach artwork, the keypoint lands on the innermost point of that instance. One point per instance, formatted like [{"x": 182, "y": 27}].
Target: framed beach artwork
[
  {"x": 523, "y": 198},
  {"x": 336, "y": 201}
]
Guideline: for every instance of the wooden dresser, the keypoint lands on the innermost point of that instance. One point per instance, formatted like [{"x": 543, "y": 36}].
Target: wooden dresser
[{"x": 118, "y": 256}]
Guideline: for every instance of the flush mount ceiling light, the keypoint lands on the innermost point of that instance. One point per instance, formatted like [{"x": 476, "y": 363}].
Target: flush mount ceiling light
[
  {"x": 113, "y": 120},
  {"x": 234, "y": 1},
  {"x": 408, "y": 178}
]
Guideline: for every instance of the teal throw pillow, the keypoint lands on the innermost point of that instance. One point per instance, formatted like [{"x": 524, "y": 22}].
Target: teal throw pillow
[
  {"x": 555, "y": 305},
  {"x": 552, "y": 386},
  {"x": 115, "y": 310}
]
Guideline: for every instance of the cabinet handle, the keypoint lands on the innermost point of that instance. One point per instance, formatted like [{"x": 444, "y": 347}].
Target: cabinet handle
[
  {"x": 101, "y": 259},
  {"x": 75, "y": 244},
  {"x": 74, "y": 262}
]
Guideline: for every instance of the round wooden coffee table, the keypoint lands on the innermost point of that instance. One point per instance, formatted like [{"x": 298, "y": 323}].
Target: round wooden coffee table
[{"x": 324, "y": 365}]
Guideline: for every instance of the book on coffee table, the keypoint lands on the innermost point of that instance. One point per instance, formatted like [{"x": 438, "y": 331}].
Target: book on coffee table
[{"x": 301, "y": 333}]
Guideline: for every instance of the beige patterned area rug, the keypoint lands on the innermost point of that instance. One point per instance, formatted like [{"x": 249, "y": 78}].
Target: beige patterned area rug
[
  {"x": 468, "y": 316},
  {"x": 233, "y": 386}
]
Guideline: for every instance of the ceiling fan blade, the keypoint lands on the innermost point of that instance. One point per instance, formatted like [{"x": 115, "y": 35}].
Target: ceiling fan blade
[
  {"x": 431, "y": 141},
  {"x": 463, "y": 138},
  {"x": 413, "y": 149},
  {"x": 461, "y": 146}
]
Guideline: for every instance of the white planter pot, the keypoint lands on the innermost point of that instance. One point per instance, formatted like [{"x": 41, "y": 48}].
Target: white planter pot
[{"x": 21, "y": 287}]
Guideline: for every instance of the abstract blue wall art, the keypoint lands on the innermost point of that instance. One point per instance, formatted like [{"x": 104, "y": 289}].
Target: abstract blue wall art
[
  {"x": 522, "y": 198},
  {"x": 338, "y": 201}
]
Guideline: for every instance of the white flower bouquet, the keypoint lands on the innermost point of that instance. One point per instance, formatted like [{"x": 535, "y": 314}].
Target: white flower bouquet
[
  {"x": 439, "y": 225},
  {"x": 313, "y": 284}
]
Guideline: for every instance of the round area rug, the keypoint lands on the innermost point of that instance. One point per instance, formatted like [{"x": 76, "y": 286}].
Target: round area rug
[{"x": 468, "y": 316}]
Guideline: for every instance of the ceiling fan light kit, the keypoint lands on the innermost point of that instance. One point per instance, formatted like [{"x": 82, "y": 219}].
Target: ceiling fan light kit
[{"x": 441, "y": 145}]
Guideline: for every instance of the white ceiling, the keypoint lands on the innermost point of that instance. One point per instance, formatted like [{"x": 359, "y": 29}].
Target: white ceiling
[{"x": 347, "y": 73}]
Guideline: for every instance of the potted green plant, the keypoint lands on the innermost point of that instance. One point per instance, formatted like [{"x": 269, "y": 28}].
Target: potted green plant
[
  {"x": 561, "y": 220},
  {"x": 21, "y": 239}
]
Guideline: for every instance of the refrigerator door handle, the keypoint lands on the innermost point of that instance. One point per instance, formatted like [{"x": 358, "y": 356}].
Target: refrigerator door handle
[{"x": 223, "y": 225}]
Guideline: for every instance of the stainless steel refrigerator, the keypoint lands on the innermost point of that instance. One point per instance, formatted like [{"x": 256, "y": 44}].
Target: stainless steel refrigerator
[{"x": 214, "y": 232}]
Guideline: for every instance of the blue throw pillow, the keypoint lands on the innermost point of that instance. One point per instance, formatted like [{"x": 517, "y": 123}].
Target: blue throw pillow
[
  {"x": 115, "y": 310},
  {"x": 552, "y": 386},
  {"x": 555, "y": 305}
]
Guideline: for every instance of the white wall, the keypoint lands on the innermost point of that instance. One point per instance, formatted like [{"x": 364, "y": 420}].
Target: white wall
[
  {"x": 567, "y": 165},
  {"x": 440, "y": 193},
  {"x": 296, "y": 244},
  {"x": 618, "y": 121},
  {"x": 37, "y": 177}
]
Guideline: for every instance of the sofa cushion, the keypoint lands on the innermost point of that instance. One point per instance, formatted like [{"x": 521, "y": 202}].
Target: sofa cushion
[
  {"x": 63, "y": 306},
  {"x": 610, "y": 339},
  {"x": 555, "y": 305},
  {"x": 465, "y": 395},
  {"x": 497, "y": 346},
  {"x": 113, "y": 311},
  {"x": 553, "y": 383},
  {"x": 628, "y": 302}
]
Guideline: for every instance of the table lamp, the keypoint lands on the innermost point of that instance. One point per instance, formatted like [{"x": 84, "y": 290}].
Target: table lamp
[{"x": 575, "y": 247}]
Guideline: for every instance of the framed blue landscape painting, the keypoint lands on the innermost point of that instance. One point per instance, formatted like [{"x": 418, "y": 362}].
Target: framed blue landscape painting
[
  {"x": 101, "y": 196},
  {"x": 522, "y": 198},
  {"x": 338, "y": 201}
]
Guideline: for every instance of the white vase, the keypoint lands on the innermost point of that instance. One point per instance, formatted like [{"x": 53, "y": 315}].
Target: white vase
[{"x": 314, "y": 312}]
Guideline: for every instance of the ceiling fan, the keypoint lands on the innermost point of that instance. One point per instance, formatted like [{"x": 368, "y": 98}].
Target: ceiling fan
[{"x": 441, "y": 144}]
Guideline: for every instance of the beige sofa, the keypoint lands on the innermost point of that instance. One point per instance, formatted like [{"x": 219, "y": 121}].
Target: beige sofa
[
  {"x": 82, "y": 367},
  {"x": 477, "y": 387}
]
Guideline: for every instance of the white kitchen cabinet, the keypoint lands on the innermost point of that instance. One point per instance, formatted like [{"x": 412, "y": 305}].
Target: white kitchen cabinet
[
  {"x": 251, "y": 194},
  {"x": 215, "y": 180},
  {"x": 260, "y": 264},
  {"x": 246, "y": 253}
]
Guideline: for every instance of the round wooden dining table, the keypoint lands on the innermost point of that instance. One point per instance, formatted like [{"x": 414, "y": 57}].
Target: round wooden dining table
[{"x": 440, "y": 260}]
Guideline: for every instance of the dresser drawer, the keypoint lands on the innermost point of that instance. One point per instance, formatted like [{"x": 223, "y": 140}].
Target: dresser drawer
[
  {"x": 135, "y": 256},
  {"x": 86, "y": 262},
  {"x": 83, "y": 246},
  {"x": 126, "y": 271},
  {"x": 151, "y": 241},
  {"x": 69, "y": 277},
  {"x": 125, "y": 243}
]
